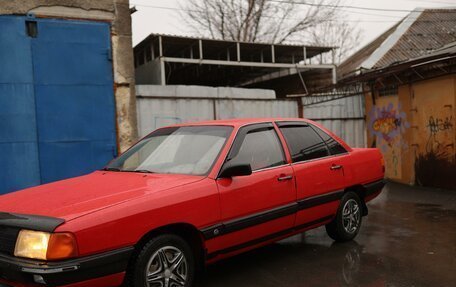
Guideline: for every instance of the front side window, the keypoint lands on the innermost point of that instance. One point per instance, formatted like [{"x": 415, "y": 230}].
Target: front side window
[
  {"x": 183, "y": 150},
  {"x": 304, "y": 143},
  {"x": 260, "y": 148}
]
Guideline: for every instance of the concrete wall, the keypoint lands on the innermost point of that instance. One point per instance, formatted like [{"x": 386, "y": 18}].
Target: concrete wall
[
  {"x": 116, "y": 12},
  {"x": 415, "y": 130},
  {"x": 166, "y": 105},
  {"x": 148, "y": 74}
]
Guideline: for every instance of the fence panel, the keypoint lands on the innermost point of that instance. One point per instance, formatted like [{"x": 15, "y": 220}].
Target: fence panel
[{"x": 345, "y": 117}]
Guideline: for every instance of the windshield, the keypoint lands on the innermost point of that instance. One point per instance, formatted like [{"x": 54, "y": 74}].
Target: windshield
[{"x": 183, "y": 150}]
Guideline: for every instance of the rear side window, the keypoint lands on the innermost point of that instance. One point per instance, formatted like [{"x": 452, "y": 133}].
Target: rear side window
[
  {"x": 334, "y": 146},
  {"x": 304, "y": 143},
  {"x": 259, "y": 148}
]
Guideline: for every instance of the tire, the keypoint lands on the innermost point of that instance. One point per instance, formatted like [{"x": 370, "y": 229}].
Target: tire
[
  {"x": 161, "y": 259},
  {"x": 345, "y": 227}
]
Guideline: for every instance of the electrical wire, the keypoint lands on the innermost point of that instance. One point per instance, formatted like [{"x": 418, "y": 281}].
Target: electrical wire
[
  {"x": 398, "y": 18},
  {"x": 349, "y": 6}
]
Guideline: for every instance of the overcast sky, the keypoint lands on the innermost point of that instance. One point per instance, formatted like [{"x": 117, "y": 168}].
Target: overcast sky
[{"x": 165, "y": 18}]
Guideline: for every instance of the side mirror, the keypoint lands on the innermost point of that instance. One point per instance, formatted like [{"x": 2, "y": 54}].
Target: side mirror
[{"x": 229, "y": 170}]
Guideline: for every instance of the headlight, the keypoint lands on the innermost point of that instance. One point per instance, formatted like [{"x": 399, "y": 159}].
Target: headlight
[
  {"x": 45, "y": 246},
  {"x": 32, "y": 244}
]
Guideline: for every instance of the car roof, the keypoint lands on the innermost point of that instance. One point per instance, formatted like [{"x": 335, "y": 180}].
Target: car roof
[{"x": 238, "y": 122}]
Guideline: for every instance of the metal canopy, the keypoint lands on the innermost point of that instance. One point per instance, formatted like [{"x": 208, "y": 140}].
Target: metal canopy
[
  {"x": 199, "y": 61},
  {"x": 435, "y": 64}
]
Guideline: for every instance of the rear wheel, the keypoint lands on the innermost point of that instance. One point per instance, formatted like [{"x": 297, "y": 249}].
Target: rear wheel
[
  {"x": 347, "y": 222},
  {"x": 165, "y": 261}
]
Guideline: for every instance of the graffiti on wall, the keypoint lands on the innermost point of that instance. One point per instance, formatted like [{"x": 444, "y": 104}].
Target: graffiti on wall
[
  {"x": 436, "y": 126},
  {"x": 387, "y": 123},
  {"x": 436, "y": 166}
]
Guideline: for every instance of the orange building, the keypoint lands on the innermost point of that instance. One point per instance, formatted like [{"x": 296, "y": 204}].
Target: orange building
[{"x": 408, "y": 77}]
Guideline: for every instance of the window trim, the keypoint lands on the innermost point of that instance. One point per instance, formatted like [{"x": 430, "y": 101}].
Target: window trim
[
  {"x": 329, "y": 150},
  {"x": 304, "y": 124},
  {"x": 243, "y": 131},
  {"x": 319, "y": 158},
  {"x": 285, "y": 124},
  {"x": 271, "y": 168}
]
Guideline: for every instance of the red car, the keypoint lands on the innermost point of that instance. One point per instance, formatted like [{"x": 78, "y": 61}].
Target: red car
[{"x": 185, "y": 196}]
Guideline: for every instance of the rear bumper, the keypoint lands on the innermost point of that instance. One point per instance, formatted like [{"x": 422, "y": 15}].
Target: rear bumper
[
  {"x": 375, "y": 187},
  {"x": 30, "y": 272}
]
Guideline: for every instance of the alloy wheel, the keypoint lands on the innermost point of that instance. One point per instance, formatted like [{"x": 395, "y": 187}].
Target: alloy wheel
[
  {"x": 167, "y": 268},
  {"x": 351, "y": 216}
]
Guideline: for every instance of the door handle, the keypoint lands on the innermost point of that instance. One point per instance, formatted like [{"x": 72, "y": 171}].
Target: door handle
[
  {"x": 285, "y": 177},
  {"x": 335, "y": 167}
]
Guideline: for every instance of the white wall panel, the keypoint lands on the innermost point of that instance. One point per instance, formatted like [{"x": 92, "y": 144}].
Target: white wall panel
[
  {"x": 344, "y": 117},
  {"x": 159, "y": 106}
]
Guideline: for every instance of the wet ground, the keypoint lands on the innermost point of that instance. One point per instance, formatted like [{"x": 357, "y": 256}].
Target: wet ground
[{"x": 408, "y": 239}]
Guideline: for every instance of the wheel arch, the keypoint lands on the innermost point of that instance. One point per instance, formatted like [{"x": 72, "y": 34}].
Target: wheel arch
[{"x": 185, "y": 230}]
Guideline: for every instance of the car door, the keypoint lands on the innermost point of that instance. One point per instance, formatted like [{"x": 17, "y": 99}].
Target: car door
[
  {"x": 263, "y": 203},
  {"x": 318, "y": 170}
]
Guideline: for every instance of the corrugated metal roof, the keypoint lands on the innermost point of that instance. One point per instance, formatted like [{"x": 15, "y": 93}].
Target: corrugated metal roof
[
  {"x": 431, "y": 30},
  {"x": 353, "y": 63},
  {"x": 448, "y": 49}
]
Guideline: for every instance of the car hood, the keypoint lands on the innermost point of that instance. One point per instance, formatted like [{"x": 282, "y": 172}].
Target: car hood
[{"x": 75, "y": 197}]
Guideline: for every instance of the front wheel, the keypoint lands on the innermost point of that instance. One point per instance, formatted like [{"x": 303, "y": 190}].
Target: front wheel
[
  {"x": 347, "y": 222},
  {"x": 165, "y": 261}
]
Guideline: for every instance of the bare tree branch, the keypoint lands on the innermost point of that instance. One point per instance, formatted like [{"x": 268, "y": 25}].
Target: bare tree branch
[
  {"x": 272, "y": 21},
  {"x": 342, "y": 35}
]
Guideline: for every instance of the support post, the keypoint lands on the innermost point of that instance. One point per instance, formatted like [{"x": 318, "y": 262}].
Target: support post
[
  {"x": 200, "y": 43},
  {"x": 162, "y": 72},
  {"x": 304, "y": 54},
  {"x": 334, "y": 75},
  {"x": 238, "y": 51},
  {"x": 152, "y": 50},
  {"x": 162, "y": 61},
  {"x": 273, "y": 53},
  {"x": 160, "y": 46}
]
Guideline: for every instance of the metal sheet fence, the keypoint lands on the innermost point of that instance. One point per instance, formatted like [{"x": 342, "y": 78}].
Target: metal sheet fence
[
  {"x": 160, "y": 106},
  {"x": 345, "y": 117}
]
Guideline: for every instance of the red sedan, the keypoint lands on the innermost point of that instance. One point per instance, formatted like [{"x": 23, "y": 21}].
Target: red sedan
[{"x": 185, "y": 196}]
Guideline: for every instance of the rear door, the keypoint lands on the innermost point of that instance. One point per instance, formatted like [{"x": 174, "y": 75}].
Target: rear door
[
  {"x": 319, "y": 172},
  {"x": 263, "y": 203}
]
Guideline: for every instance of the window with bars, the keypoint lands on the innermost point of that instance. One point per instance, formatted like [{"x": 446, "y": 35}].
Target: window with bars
[{"x": 391, "y": 90}]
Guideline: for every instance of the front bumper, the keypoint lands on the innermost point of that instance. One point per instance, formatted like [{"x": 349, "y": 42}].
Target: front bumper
[{"x": 13, "y": 269}]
